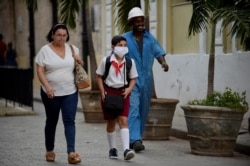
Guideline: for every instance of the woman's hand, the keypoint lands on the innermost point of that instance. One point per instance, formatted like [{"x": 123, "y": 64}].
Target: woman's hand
[{"x": 50, "y": 92}]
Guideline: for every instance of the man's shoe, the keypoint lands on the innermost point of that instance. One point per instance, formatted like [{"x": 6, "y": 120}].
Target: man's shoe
[
  {"x": 129, "y": 154},
  {"x": 138, "y": 146},
  {"x": 113, "y": 153}
]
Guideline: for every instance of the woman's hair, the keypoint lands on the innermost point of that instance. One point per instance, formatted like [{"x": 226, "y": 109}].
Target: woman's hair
[{"x": 54, "y": 29}]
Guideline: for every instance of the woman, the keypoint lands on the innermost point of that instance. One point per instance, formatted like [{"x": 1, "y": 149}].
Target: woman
[{"x": 55, "y": 66}]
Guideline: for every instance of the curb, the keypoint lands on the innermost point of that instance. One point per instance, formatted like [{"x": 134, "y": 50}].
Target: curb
[
  {"x": 242, "y": 149},
  {"x": 179, "y": 134},
  {"x": 239, "y": 146},
  {"x": 243, "y": 143},
  {"x": 15, "y": 111}
]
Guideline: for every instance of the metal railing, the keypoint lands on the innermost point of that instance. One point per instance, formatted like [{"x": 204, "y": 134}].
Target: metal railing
[{"x": 17, "y": 85}]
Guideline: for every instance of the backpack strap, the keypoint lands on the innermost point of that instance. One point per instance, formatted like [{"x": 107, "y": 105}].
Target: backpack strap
[
  {"x": 128, "y": 67},
  {"x": 107, "y": 67}
]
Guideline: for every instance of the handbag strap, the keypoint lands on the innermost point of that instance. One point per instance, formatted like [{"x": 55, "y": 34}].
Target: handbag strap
[{"x": 72, "y": 50}]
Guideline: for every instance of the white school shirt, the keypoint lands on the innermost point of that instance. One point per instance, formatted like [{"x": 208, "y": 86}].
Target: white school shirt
[
  {"x": 58, "y": 71},
  {"x": 116, "y": 81}
]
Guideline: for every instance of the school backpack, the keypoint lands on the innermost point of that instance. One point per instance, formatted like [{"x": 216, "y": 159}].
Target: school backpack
[{"x": 108, "y": 64}]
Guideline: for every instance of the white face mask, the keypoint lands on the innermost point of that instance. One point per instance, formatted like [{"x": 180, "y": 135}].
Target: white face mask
[{"x": 120, "y": 51}]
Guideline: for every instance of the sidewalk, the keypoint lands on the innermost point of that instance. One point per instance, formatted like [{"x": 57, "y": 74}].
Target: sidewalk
[
  {"x": 22, "y": 144},
  {"x": 13, "y": 109},
  {"x": 179, "y": 129}
]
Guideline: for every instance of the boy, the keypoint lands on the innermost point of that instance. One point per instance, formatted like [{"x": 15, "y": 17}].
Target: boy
[{"x": 120, "y": 83}]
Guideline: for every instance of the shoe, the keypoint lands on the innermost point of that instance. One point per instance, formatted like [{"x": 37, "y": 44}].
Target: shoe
[
  {"x": 50, "y": 156},
  {"x": 74, "y": 158},
  {"x": 137, "y": 146},
  {"x": 129, "y": 154},
  {"x": 113, "y": 153}
]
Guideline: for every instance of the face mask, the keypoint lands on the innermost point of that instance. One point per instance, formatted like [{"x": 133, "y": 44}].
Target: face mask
[{"x": 121, "y": 51}]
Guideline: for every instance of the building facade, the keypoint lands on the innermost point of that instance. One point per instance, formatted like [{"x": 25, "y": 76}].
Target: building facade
[{"x": 169, "y": 20}]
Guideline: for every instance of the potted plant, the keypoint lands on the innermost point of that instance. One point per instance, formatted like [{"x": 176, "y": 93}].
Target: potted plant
[
  {"x": 160, "y": 117},
  {"x": 213, "y": 123}
]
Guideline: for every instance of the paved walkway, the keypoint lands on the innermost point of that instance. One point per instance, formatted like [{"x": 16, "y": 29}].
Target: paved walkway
[{"x": 22, "y": 144}]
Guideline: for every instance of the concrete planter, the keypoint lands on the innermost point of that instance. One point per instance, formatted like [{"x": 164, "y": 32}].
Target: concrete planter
[
  {"x": 159, "y": 121},
  {"x": 212, "y": 131},
  {"x": 91, "y": 106}
]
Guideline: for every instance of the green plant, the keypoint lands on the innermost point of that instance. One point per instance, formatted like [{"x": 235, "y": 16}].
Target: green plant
[
  {"x": 228, "y": 99},
  {"x": 206, "y": 14}
]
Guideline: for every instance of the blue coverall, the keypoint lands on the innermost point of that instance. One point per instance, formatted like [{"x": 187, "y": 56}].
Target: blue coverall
[{"x": 141, "y": 94}]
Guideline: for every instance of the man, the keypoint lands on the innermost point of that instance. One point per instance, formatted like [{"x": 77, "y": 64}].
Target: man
[{"x": 143, "y": 48}]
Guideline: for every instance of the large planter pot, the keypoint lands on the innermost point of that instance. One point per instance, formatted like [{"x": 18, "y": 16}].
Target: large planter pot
[
  {"x": 91, "y": 106},
  {"x": 160, "y": 117},
  {"x": 212, "y": 130}
]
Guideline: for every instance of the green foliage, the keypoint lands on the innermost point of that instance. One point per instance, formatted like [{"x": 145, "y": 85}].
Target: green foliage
[
  {"x": 68, "y": 10},
  {"x": 123, "y": 7},
  {"x": 202, "y": 15},
  {"x": 228, "y": 99},
  {"x": 235, "y": 12}
]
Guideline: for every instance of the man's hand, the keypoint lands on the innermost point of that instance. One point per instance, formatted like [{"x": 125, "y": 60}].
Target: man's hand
[{"x": 165, "y": 67}]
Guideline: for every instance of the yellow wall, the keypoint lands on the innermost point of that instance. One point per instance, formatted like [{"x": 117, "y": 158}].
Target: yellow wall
[{"x": 181, "y": 43}]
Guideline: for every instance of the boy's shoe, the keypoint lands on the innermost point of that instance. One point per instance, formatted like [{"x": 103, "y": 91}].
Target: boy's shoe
[
  {"x": 129, "y": 154},
  {"x": 113, "y": 153},
  {"x": 137, "y": 146}
]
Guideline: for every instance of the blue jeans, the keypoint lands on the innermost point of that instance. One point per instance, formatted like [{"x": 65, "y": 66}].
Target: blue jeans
[{"x": 68, "y": 105}]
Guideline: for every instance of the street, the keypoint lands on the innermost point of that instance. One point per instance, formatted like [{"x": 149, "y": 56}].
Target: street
[{"x": 22, "y": 144}]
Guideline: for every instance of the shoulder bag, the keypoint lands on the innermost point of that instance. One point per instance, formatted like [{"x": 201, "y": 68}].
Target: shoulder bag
[
  {"x": 81, "y": 76},
  {"x": 114, "y": 103}
]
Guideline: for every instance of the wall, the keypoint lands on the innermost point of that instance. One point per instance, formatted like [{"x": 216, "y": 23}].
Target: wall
[
  {"x": 181, "y": 43},
  {"x": 6, "y": 25},
  {"x": 187, "y": 76}
]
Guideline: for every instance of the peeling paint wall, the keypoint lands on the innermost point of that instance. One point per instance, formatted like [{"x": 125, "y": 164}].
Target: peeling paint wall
[{"x": 187, "y": 76}]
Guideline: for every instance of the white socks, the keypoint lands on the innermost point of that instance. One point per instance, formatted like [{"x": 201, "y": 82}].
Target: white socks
[
  {"x": 124, "y": 138},
  {"x": 111, "y": 139}
]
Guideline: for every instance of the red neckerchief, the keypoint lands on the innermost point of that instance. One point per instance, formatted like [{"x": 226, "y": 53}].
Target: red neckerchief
[{"x": 117, "y": 67}]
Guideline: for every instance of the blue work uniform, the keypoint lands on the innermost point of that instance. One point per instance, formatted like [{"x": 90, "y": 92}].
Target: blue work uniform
[{"x": 143, "y": 54}]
